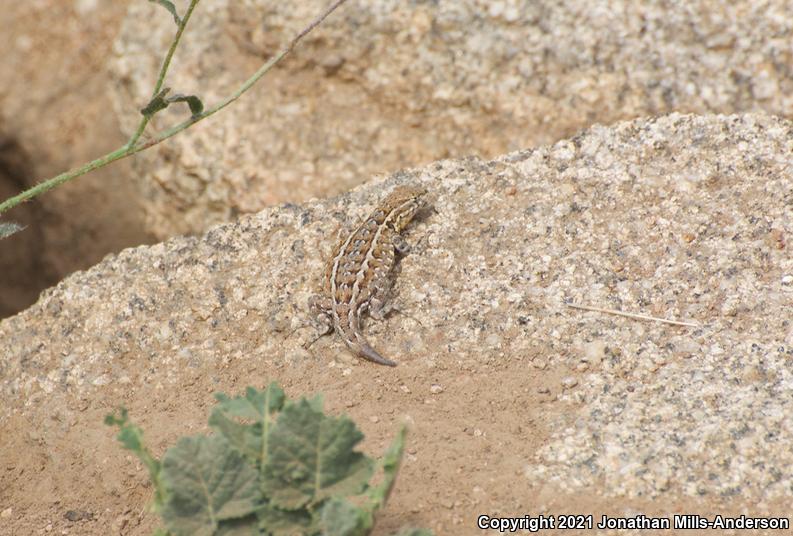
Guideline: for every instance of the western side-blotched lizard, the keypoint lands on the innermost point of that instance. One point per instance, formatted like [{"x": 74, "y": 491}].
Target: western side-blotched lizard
[{"x": 360, "y": 274}]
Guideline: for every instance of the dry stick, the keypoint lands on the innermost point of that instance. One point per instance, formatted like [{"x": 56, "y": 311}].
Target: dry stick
[
  {"x": 132, "y": 147},
  {"x": 632, "y": 315}
]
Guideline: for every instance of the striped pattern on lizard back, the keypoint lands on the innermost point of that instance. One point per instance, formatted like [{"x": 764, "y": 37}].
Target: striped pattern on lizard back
[{"x": 360, "y": 275}]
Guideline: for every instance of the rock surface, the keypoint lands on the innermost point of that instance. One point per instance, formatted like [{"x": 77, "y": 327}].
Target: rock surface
[
  {"x": 518, "y": 402},
  {"x": 390, "y": 84}
]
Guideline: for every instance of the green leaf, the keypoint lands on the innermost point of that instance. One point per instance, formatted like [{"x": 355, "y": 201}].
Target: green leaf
[
  {"x": 390, "y": 464},
  {"x": 342, "y": 518},
  {"x": 161, "y": 101},
  {"x": 244, "y": 526},
  {"x": 195, "y": 104},
  {"x": 256, "y": 406},
  {"x": 277, "y": 522},
  {"x": 157, "y": 103},
  {"x": 171, "y": 8},
  {"x": 208, "y": 482},
  {"x": 8, "y": 228},
  {"x": 414, "y": 532},
  {"x": 131, "y": 438},
  {"x": 294, "y": 474},
  {"x": 310, "y": 457}
]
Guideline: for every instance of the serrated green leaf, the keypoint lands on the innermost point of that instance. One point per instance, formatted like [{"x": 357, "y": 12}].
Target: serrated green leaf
[
  {"x": 195, "y": 104},
  {"x": 157, "y": 103},
  {"x": 414, "y": 532},
  {"x": 131, "y": 438},
  {"x": 7, "y": 228},
  {"x": 316, "y": 402},
  {"x": 171, "y": 8},
  {"x": 256, "y": 406},
  {"x": 342, "y": 518},
  {"x": 390, "y": 464},
  {"x": 277, "y": 522},
  {"x": 245, "y": 526},
  {"x": 310, "y": 457},
  {"x": 207, "y": 482}
]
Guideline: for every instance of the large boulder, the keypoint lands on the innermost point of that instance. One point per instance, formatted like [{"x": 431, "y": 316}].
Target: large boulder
[
  {"x": 517, "y": 401},
  {"x": 386, "y": 85}
]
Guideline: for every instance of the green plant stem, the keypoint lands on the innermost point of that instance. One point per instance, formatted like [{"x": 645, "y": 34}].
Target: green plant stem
[
  {"x": 134, "y": 145},
  {"x": 163, "y": 71}
]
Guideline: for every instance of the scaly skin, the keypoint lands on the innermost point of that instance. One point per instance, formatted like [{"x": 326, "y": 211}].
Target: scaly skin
[{"x": 360, "y": 275}]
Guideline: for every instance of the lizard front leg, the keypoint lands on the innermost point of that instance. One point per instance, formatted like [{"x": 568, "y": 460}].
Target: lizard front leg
[
  {"x": 400, "y": 244},
  {"x": 321, "y": 308}
]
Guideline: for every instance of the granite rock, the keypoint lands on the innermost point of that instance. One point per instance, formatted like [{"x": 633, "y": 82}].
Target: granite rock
[
  {"x": 681, "y": 217},
  {"x": 390, "y": 84}
]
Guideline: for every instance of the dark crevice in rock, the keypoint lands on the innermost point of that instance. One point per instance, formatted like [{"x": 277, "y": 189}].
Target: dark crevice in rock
[{"x": 23, "y": 271}]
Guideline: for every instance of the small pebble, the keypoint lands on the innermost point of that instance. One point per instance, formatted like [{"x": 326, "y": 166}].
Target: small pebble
[
  {"x": 569, "y": 382},
  {"x": 595, "y": 352}
]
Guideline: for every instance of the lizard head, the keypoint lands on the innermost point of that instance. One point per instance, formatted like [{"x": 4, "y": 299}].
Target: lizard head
[{"x": 402, "y": 203}]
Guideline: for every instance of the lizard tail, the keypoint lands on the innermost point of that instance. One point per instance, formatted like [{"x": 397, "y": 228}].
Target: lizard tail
[
  {"x": 354, "y": 339},
  {"x": 367, "y": 352}
]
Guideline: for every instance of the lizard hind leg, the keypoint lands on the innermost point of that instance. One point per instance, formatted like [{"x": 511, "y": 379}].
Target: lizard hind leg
[
  {"x": 320, "y": 307},
  {"x": 380, "y": 306}
]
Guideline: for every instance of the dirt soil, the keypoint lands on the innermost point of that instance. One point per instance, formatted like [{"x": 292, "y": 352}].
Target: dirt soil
[{"x": 85, "y": 484}]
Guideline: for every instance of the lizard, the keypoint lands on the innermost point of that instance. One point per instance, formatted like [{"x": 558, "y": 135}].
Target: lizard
[{"x": 359, "y": 276}]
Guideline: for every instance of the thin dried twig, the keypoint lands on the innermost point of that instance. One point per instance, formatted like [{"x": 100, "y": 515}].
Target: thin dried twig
[{"x": 633, "y": 315}]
